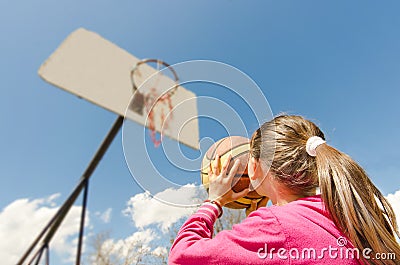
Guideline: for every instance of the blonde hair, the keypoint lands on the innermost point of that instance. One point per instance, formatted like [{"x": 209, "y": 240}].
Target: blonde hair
[{"x": 355, "y": 205}]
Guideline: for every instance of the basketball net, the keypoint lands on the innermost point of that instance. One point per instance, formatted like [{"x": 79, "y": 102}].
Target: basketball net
[
  {"x": 155, "y": 107},
  {"x": 152, "y": 100}
]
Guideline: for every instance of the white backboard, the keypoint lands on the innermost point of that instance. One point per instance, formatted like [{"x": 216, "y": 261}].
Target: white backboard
[{"x": 93, "y": 68}]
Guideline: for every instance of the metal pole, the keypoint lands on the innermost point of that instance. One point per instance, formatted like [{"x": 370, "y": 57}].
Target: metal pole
[
  {"x": 55, "y": 222},
  {"x": 47, "y": 255},
  {"x": 82, "y": 226}
]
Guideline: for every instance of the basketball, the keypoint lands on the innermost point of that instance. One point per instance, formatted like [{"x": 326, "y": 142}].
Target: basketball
[{"x": 238, "y": 147}]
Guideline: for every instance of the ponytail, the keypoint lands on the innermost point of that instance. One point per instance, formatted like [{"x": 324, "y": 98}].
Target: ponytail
[{"x": 356, "y": 206}]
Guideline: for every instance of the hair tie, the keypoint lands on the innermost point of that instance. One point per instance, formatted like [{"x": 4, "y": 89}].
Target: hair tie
[{"x": 312, "y": 144}]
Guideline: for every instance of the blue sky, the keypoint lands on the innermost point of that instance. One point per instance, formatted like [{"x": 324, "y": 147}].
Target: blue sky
[{"x": 335, "y": 62}]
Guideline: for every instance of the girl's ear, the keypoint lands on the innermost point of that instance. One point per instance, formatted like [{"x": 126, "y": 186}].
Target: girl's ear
[{"x": 253, "y": 168}]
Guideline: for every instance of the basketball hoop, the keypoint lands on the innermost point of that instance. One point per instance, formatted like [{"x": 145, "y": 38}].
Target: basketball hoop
[{"x": 144, "y": 102}]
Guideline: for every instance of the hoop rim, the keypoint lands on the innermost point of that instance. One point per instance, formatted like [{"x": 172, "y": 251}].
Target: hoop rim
[{"x": 169, "y": 93}]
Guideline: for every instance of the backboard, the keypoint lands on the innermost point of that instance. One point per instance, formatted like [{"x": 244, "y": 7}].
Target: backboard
[{"x": 93, "y": 68}]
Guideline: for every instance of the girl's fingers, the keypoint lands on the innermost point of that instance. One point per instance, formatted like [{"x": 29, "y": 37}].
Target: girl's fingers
[
  {"x": 233, "y": 170},
  {"x": 226, "y": 164},
  {"x": 241, "y": 194},
  {"x": 210, "y": 173},
  {"x": 252, "y": 207},
  {"x": 263, "y": 202},
  {"x": 215, "y": 165}
]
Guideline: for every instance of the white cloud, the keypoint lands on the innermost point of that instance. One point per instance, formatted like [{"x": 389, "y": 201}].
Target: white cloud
[
  {"x": 105, "y": 216},
  {"x": 23, "y": 219},
  {"x": 148, "y": 244},
  {"x": 146, "y": 210},
  {"x": 140, "y": 239},
  {"x": 394, "y": 200}
]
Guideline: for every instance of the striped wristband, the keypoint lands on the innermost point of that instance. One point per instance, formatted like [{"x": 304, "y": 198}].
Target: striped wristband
[{"x": 218, "y": 206}]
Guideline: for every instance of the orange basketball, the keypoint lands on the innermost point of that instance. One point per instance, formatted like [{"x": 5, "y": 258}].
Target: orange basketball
[{"x": 238, "y": 147}]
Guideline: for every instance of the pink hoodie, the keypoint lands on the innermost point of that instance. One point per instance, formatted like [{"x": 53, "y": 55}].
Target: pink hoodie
[{"x": 299, "y": 232}]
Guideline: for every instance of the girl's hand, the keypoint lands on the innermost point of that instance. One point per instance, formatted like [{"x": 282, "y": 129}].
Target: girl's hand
[
  {"x": 221, "y": 180},
  {"x": 254, "y": 205}
]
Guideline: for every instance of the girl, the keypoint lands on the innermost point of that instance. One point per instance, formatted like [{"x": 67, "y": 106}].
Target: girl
[{"x": 350, "y": 222}]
